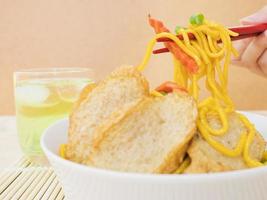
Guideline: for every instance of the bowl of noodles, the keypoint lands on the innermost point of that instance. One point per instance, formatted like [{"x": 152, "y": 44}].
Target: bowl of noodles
[
  {"x": 222, "y": 161},
  {"x": 82, "y": 182}
]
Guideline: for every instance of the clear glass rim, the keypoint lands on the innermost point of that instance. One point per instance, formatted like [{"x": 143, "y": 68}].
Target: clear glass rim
[{"x": 53, "y": 70}]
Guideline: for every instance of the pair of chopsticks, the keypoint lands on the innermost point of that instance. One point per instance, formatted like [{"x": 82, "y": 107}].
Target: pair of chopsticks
[{"x": 243, "y": 31}]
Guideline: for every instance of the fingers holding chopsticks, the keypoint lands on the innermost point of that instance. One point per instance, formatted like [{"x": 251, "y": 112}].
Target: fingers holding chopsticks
[
  {"x": 256, "y": 18},
  {"x": 263, "y": 62},
  {"x": 252, "y": 51},
  {"x": 253, "y": 54}
]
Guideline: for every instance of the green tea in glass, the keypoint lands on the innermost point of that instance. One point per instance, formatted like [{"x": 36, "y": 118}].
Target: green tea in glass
[{"x": 43, "y": 96}]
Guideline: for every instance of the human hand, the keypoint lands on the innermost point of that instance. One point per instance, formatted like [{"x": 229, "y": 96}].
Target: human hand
[{"x": 252, "y": 51}]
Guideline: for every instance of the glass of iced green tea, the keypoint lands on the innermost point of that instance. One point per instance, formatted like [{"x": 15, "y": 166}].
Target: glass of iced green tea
[{"x": 43, "y": 96}]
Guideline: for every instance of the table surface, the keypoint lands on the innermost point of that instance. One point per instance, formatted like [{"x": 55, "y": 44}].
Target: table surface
[{"x": 9, "y": 146}]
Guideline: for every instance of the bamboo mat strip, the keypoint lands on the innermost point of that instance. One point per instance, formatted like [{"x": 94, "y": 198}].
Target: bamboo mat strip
[{"x": 28, "y": 181}]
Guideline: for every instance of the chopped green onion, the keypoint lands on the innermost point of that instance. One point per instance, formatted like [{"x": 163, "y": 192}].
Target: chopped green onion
[
  {"x": 163, "y": 93},
  {"x": 197, "y": 19},
  {"x": 192, "y": 19},
  {"x": 177, "y": 29}
]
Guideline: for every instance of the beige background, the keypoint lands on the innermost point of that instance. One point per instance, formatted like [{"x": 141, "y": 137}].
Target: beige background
[{"x": 106, "y": 34}]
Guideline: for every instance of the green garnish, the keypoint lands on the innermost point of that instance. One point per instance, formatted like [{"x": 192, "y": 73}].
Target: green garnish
[
  {"x": 163, "y": 93},
  {"x": 197, "y": 19},
  {"x": 177, "y": 29},
  {"x": 192, "y": 19}
]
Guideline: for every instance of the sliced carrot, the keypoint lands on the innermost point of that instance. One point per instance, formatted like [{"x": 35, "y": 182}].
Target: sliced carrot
[
  {"x": 169, "y": 87},
  {"x": 179, "y": 54}
]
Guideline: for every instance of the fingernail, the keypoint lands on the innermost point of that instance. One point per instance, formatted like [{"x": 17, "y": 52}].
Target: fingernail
[
  {"x": 258, "y": 17},
  {"x": 249, "y": 19}
]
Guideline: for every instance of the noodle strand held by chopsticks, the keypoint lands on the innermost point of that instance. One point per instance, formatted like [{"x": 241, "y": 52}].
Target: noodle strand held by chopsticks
[{"x": 202, "y": 58}]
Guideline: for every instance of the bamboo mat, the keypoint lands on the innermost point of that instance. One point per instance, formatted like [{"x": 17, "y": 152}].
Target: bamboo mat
[{"x": 28, "y": 181}]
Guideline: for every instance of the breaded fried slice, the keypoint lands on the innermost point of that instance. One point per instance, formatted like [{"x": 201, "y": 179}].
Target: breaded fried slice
[
  {"x": 100, "y": 106},
  {"x": 205, "y": 158},
  {"x": 151, "y": 138}
]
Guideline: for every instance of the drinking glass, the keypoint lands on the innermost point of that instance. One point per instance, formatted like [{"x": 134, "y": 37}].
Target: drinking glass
[{"x": 43, "y": 96}]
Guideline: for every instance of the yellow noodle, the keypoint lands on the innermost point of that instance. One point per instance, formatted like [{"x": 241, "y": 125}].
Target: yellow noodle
[
  {"x": 251, "y": 133},
  {"x": 203, "y": 119},
  {"x": 174, "y": 39},
  {"x": 156, "y": 93},
  {"x": 219, "y": 147},
  {"x": 187, "y": 43},
  {"x": 264, "y": 157},
  {"x": 62, "y": 150},
  {"x": 208, "y": 55},
  {"x": 183, "y": 166},
  {"x": 208, "y": 31}
]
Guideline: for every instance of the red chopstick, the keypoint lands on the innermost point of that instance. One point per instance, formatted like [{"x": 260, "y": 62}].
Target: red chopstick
[
  {"x": 243, "y": 31},
  {"x": 249, "y": 29}
]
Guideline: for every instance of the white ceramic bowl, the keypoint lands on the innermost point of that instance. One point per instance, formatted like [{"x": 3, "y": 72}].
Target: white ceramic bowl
[{"x": 82, "y": 182}]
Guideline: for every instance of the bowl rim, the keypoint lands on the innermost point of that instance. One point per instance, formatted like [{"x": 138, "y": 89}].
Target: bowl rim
[{"x": 244, "y": 173}]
